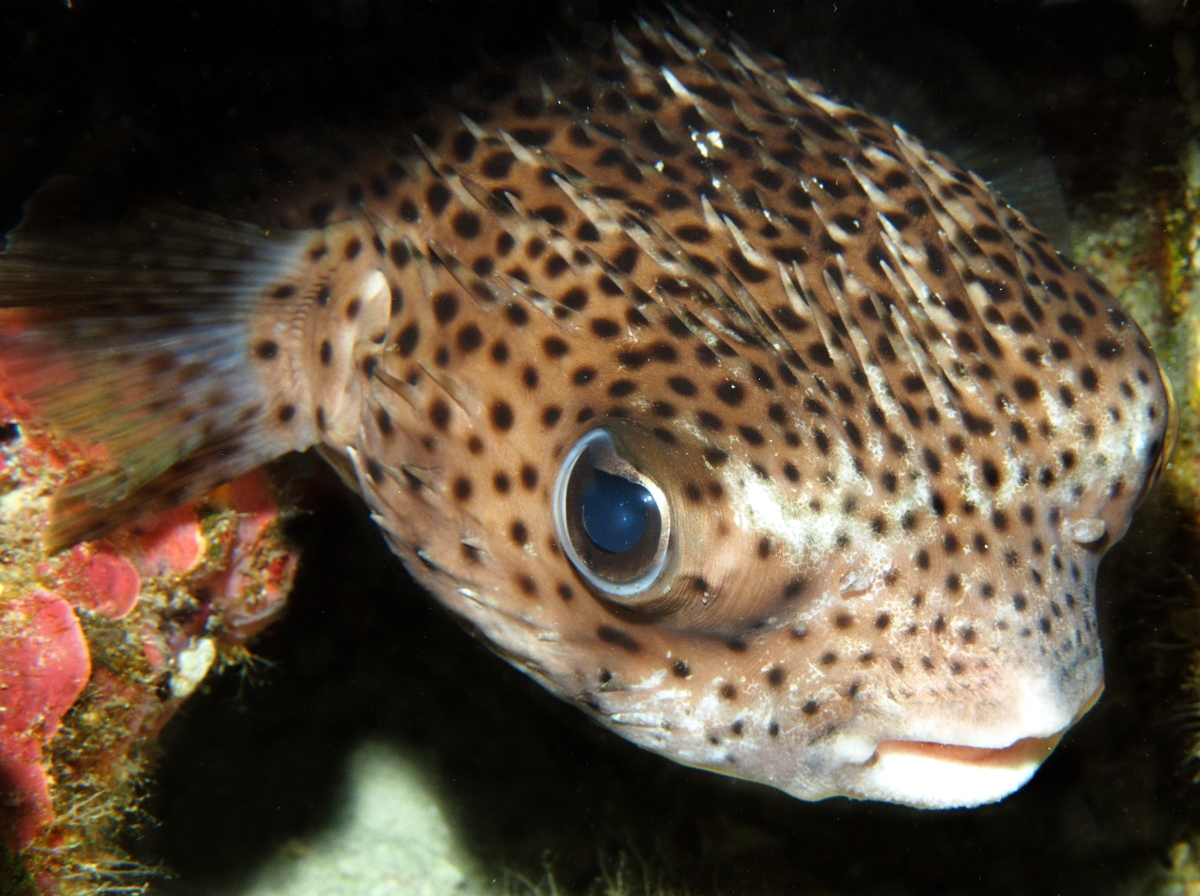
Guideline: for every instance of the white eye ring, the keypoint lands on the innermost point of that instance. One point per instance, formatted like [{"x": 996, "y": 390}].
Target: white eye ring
[{"x": 614, "y": 573}]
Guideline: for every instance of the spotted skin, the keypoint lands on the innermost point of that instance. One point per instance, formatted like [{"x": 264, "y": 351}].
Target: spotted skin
[{"x": 896, "y": 429}]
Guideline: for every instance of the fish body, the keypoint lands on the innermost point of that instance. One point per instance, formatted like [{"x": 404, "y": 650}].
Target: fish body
[{"x": 728, "y": 412}]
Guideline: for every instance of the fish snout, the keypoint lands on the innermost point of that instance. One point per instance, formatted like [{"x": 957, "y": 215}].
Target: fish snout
[{"x": 959, "y": 756}]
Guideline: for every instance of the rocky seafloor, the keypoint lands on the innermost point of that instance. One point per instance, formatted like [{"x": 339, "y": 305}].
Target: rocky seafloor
[{"x": 372, "y": 746}]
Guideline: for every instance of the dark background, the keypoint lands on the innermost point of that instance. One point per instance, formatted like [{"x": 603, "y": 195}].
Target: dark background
[{"x": 152, "y": 97}]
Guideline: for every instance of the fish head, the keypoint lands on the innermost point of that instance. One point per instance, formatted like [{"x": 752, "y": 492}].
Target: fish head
[{"x": 753, "y": 570}]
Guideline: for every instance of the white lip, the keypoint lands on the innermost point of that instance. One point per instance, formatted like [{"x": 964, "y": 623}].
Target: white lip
[
  {"x": 945, "y": 776},
  {"x": 941, "y": 776}
]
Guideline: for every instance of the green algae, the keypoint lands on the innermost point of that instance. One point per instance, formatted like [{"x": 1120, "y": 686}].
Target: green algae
[{"x": 15, "y": 879}]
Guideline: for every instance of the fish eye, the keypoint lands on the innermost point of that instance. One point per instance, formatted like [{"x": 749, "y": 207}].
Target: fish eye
[{"x": 613, "y": 521}]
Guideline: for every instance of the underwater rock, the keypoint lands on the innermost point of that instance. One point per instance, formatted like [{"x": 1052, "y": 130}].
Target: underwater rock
[{"x": 100, "y": 645}]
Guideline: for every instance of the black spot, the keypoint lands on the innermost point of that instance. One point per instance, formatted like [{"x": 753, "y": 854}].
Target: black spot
[
  {"x": 463, "y": 146},
  {"x": 622, "y": 388},
  {"x": 552, "y": 215},
  {"x": 1026, "y": 388},
  {"x": 576, "y": 299},
  {"x": 517, "y": 316},
  {"x": 986, "y": 233},
  {"x": 384, "y": 420},
  {"x": 470, "y": 337},
  {"x": 267, "y": 350},
  {"x": 933, "y": 256},
  {"x": 794, "y": 589},
  {"x": 751, "y": 435},
  {"x": 502, "y": 415},
  {"x": 445, "y": 307},
  {"x": 439, "y": 414},
  {"x": 693, "y": 233},
  {"x": 618, "y": 638},
  {"x": 673, "y": 200},
  {"x": 399, "y": 253},
  {"x": 532, "y": 136},
  {"x": 932, "y": 461},
  {"x": 467, "y": 225},
  {"x": 587, "y": 232},
  {"x": 497, "y": 165},
  {"x": 437, "y": 197},
  {"x": 626, "y": 259},
  {"x": 1071, "y": 325},
  {"x": 529, "y": 476},
  {"x": 730, "y": 392},
  {"x": 682, "y": 386}
]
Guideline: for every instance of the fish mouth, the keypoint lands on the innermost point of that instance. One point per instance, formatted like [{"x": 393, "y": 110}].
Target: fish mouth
[{"x": 935, "y": 775}]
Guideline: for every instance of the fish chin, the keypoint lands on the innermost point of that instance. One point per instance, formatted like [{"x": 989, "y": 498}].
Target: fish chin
[{"x": 966, "y": 764}]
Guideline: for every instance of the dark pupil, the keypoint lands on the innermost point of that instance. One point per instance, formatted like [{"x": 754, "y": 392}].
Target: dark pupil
[{"x": 614, "y": 512}]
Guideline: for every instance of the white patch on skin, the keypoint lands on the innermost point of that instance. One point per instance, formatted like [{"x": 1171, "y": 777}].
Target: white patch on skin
[
  {"x": 653, "y": 680},
  {"x": 812, "y": 534},
  {"x": 374, "y": 287},
  {"x": 856, "y": 581}
]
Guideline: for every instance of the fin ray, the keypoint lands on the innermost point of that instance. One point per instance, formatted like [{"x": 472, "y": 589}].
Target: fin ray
[{"x": 141, "y": 338}]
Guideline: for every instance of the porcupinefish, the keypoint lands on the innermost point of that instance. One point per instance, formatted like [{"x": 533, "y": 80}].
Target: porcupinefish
[{"x": 732, "y": 414}]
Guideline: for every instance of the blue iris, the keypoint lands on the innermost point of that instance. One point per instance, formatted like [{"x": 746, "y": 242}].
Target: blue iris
[{"x": 614, "y": 512}]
